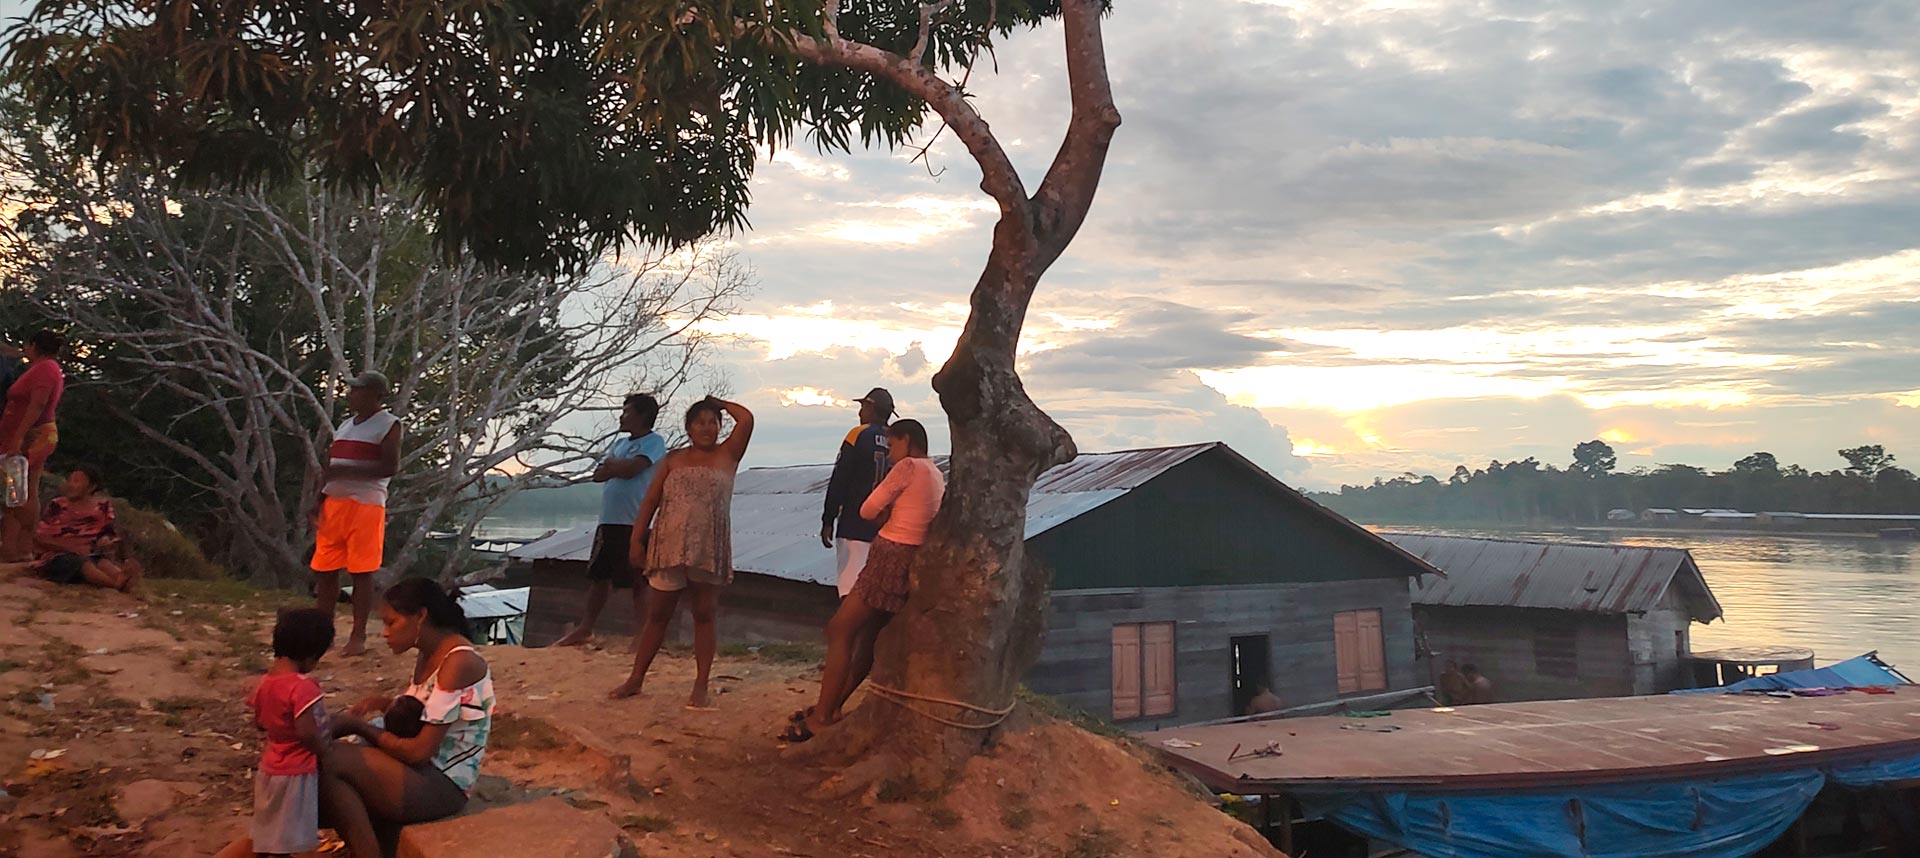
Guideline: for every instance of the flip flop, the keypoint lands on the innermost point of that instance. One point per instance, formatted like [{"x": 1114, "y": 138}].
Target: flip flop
[{"x": 796, "y": 733}]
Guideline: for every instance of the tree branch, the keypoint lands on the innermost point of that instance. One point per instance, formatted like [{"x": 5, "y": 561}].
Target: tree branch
[{"x": 1066, "y": 193}]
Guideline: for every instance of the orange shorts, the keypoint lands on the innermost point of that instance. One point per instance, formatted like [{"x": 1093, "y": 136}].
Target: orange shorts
[{"x": 352, "y": 536}]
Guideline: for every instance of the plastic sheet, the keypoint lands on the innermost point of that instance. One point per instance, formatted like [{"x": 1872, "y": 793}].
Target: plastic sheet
[
  {"x": 1861, "y": 671},
  {"x": 1726, "y": 818}
]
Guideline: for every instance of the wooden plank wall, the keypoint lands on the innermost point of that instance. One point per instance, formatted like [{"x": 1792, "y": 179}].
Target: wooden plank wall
[
  {"x": 1500, "y": 642},
  {"x": 1659, "y": 665},
  {"x": 1076, "y": 658},
  {"x": 755, "y": 609}
]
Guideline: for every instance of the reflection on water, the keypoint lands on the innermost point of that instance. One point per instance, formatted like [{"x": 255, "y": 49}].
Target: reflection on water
[{"x": 1839, "y": 596}]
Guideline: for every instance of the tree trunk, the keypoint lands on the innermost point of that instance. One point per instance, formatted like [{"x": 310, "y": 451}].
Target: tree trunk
[{"x": 974, "y": 622}]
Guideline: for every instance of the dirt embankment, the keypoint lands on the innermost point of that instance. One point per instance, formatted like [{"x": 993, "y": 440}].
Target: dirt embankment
[{"x": 122, "y": 733}]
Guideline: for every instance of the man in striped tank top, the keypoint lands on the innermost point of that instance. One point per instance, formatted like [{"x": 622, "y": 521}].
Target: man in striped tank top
[{"x": 350, "y": 519}]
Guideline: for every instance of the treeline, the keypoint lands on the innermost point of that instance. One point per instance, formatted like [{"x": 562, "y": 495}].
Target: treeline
[{"x": 1530, "y": 492}]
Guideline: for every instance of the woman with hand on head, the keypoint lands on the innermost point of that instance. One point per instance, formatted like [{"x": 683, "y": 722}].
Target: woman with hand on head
[{"x": 684, "y": 539}]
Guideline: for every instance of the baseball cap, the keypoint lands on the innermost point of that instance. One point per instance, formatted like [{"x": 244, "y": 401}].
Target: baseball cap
[
  {"x": 879, "y": 397},
  {"x": 370, "y": 379}
]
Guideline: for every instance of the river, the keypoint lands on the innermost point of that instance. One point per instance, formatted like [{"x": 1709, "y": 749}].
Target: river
[{"x": 1839, "y": 596}]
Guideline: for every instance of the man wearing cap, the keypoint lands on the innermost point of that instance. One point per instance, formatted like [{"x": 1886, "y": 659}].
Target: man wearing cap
[
  {"x": 350, "y": 521},
  {"x": 861, "y": 465}
]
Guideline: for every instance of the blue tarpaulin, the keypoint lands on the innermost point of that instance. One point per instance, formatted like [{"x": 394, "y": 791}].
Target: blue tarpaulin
[
  {"x": 1864, "y": 671},
  {"x": 1731, "y": 817},
  {"x": 1728, "y": 818}
]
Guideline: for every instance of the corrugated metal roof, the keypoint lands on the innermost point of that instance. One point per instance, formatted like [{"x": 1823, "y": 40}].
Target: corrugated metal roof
[
  {"x": 1570, "y": 576},
  {"x": 491, "y": 604},
  {"x": 776, "y": 511}
]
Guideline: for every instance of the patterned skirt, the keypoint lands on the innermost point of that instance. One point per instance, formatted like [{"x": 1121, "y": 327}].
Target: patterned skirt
[{"x": 883, "y": 583}]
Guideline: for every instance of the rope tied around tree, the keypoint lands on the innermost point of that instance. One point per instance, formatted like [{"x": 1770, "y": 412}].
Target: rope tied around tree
[{"x": 901, "y": 698}]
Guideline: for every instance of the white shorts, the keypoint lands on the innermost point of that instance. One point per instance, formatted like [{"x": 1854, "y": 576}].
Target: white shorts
[{"x": 850, "y": 556}]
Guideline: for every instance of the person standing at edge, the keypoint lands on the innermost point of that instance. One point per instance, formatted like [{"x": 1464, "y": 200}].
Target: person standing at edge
[
  {"x": 627, "y": 472},
  {"x": 350, "y": 519},
  {"x": 860, "y": 466},
  {"x": 683, "y": 538},
  {"x": 27, "y": 429}
]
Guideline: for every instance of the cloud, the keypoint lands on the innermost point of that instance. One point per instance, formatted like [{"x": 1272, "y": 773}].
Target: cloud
[{"x": 1463, "y": 230}]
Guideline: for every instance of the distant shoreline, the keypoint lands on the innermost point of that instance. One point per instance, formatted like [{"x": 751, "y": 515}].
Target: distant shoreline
[{"x": 1635, "y": 529}]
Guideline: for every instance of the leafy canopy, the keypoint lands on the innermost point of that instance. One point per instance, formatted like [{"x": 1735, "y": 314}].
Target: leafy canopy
[{"x": 538, "y": 133}]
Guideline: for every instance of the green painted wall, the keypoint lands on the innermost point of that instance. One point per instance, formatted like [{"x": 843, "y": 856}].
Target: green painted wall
[{"x": 1210, "y": 521}]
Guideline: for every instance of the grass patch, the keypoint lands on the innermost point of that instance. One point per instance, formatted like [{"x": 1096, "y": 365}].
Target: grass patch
[
  {"x": 181, "y": 705},
  {"x": 162, "y": 548},
  {"x": 649, "y": 824},
  {"x": 515, "y": 733},
  {"x": 1058, "y": 711},
  {"x": 63, "y": 663},
  {"x": 1015, "y": 814},
  {"x": 894, "y": 791},
  {"x": 943, "y": 817},
  {"x": 1093, "y": 843},
  {"x": 778, "y": 653}
]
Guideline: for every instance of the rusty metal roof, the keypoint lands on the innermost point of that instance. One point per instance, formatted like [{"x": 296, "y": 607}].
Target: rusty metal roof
[
  {"x": 1568, "y": 576},
  {"x": 1549, "y": 743},
  {"x": 776, "y": 511}
]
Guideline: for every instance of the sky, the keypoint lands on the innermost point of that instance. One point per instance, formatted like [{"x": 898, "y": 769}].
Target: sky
[
  {"x": 1356, "y": 239},
  {"x": 1360, "y": 239}
]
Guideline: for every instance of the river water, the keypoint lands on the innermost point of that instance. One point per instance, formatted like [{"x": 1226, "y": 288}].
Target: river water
[{"x": 1838, "y": 596}]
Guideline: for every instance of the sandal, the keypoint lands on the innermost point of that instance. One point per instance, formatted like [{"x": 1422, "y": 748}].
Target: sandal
[
  {"x": 800, "y": 715},
  {"x": 796, "y": 733}
]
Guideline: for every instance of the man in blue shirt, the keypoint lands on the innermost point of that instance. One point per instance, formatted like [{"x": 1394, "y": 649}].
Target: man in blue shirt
[
  {"x": 627, "y": 471},
  {"x": 860, "y": 466}
]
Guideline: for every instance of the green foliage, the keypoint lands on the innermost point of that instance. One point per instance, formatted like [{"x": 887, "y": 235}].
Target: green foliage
[
  {"x": 539, "y": 133},
  {"x": 1526, "y": 493},
  {"x": 161, "y": 548},
  {"x": 1867, "y": 460},
  {"x": 1593, "y": 459}
]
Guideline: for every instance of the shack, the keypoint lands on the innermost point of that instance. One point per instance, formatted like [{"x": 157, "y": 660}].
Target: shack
[
  {"x": 1552, "y": 620},
  {"x": 1184, "y": 580}
]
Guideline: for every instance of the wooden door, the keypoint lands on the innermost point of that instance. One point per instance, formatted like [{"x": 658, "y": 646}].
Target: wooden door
[
  {"x": 1157, "y": 686},
  {"x": 1126, "y": 671}
]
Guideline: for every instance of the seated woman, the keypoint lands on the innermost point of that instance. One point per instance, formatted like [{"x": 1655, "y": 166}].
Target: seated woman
[
  {"x": 392, "y": 780},
  {"x": 77, "y": 541}
]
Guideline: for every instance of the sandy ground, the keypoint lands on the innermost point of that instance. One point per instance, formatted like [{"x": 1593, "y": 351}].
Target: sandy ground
[{"x": 122, "y": 733}]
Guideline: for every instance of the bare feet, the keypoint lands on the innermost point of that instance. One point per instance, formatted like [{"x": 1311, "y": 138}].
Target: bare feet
[
  {"x": 630, "y": 688},
  {"x": 355, "y": 646},
  {"x": 577, "y": 637},
  {"x": 700, "y": 699}
]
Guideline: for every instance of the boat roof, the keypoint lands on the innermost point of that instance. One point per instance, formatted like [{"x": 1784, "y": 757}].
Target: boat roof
[{"x": 1548, "y": 743}]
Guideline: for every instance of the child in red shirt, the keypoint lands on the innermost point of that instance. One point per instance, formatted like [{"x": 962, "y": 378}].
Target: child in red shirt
[{"x": 286, "y": 706}]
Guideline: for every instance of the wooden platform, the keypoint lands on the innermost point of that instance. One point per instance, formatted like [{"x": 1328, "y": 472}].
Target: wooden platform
[{"x": 1508, "y": 745}]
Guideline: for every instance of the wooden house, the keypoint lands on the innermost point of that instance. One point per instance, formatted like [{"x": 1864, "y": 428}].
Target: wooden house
[
  {"x": 1184, "y": 580},
  {"x": 1553, "y": 620}
]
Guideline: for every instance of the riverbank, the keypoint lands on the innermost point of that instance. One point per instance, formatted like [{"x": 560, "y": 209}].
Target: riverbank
[{"x": 122, "y": 733}]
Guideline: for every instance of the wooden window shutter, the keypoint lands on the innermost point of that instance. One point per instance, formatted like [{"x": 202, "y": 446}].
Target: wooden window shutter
[
  {"x": 1346, "y": 651},
  {"x": 1373, "y": 655},
  {"x": 1126, "y": 671},
  {"x": 1157, "y": 684}
]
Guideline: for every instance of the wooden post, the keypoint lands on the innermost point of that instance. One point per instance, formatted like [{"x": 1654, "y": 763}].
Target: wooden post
[{"x": 1286, "y": 824}]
